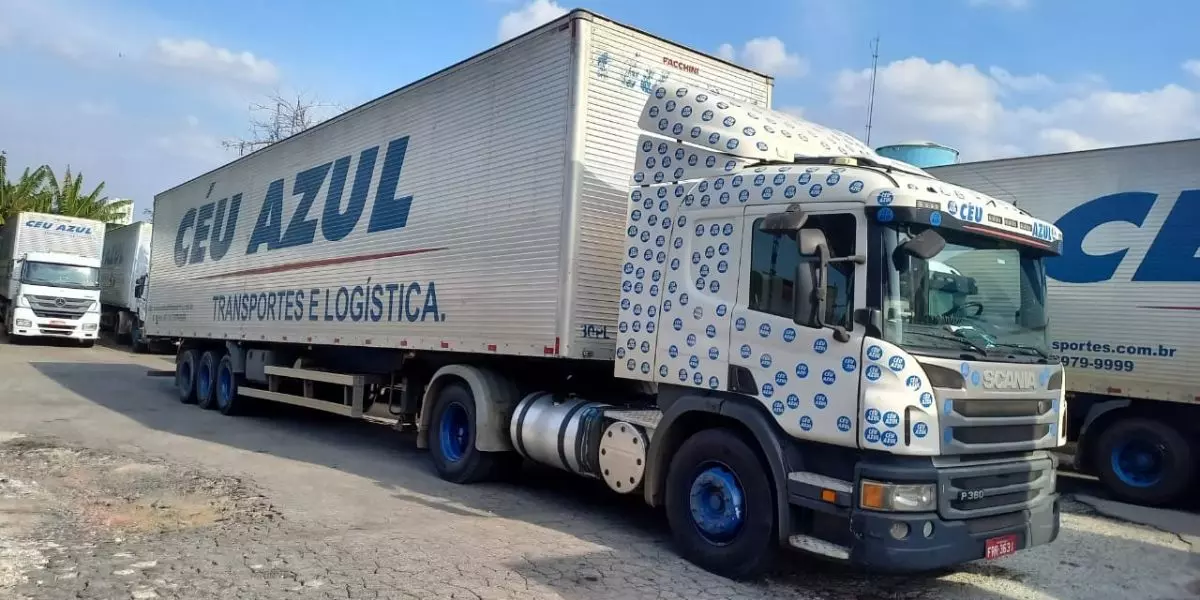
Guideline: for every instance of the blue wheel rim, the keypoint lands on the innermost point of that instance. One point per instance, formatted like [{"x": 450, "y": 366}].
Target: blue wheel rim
[
  {"x": 717, "y": 503},
  {"x": 224, "y": 385},
  {"x": 1139, "y": 463},
  {"x": 203, "y": 380},
  {"x": 454, "y": 432}
]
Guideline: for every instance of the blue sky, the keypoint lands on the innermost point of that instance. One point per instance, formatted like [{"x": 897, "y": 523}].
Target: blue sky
[{"x": 140, "y": 93}]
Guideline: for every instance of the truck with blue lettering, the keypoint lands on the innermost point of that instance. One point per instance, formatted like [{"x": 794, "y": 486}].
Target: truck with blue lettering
[
  {"x": 50, "y": 277},
  {"x": 595, "y": 249},
  {"x": 1126, "y": 304}
]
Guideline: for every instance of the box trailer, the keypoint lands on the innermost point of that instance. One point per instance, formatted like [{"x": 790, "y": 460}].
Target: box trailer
[
  {"x": 125, "y": 263},
  {"x": 49, "y": 277},
  {"x": 599, "y": 250},
  {"x": 1125, "y": 297}
]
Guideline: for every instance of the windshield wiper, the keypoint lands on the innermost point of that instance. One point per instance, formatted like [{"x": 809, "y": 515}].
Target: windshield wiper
[
  {"x": 951, "y": 338},
  {"x": 1027, "y": 348}
]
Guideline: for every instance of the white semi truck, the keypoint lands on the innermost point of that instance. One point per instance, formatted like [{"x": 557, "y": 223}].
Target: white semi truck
[
  {"x": 595, "y": 249},
  {"x": 125, "y": 264},
  {"x": 1125, "y": 297},
  {"x": 49, "y": 277}
]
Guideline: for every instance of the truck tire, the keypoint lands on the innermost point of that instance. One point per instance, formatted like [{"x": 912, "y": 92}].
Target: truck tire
[
  {"x": 137, "y": 343},
  {"x": 225, "y": 392},
  {"x": 720, "y": 505},
  {"x": 185, "y": 375},
  {"x": 206, "y": 379},
  {"x": 1145, "y": 461},
  {"x": 452, "y": 439}
]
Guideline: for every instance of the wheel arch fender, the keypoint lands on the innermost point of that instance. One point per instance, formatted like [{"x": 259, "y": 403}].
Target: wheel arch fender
[
  {"x": 690, "y": 414},
  {"x": 495, "y": 398},
  {"x": 1098, "y": 418}
]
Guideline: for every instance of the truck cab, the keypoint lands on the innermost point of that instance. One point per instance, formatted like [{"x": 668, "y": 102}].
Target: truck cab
[
  {"x": 887, "y": 329},
  {"x": 56, "y": 295}
]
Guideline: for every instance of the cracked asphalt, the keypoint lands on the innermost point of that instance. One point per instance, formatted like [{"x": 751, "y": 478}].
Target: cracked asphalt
[{"x": 109, "y": 488}]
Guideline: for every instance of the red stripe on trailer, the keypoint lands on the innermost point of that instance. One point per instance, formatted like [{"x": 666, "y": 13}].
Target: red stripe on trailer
[
  {"x": 491, "y": 347},
  {"x": 324, "y": 262},
  {"x": 445, "y": 344}
]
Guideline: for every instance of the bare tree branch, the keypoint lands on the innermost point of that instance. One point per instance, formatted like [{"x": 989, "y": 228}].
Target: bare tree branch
[{"x": 281, "y": 117}]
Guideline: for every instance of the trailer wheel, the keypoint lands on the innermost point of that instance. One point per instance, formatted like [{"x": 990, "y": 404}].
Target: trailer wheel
[
  {"x": 206, "y": 379},
  {"x": 185, "y": 375},
  {"x": 1145, "y": 461},
  {"x": 452, "y": 439},
  {"x": 720, "y": 505},
  {"x": 226, "y": 391}
]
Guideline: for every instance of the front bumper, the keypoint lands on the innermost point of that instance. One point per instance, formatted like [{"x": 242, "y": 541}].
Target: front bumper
[
  {"x": 1017, "y": 499},
  {"x": 26, "y": 324},
  {"x": 951, "y": 542}
]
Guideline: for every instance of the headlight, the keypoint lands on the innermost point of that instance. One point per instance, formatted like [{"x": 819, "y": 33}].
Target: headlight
[
  {"x": 24, "y": 323},
  {"x": 897, "y": 497},
  {"x": 89, "y": 326}
]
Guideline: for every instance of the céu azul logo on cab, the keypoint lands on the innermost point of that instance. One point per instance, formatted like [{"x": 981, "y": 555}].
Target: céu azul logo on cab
[
  {"x": 206, "y": 232},
  {"x": 1171, "y": 257}
]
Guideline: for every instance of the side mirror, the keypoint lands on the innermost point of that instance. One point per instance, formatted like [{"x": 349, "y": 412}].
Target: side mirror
[
  {"x": 788, "y": 221},
  {"x": 924, "y": 245},
  {"x": 809, "y": 298}
]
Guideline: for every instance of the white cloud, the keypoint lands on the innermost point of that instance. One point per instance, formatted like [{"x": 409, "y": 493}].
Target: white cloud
[
  {"x": 530, "y": 16},
  {"x": 768, "y": 55},
  {"x": 1022, "y": 83},
  {"x": 204, "y": 58},
  {"x": 994, "y": 113},
  {"x": 1192, "y": 66},
  {"x": 129, "y": 128}
]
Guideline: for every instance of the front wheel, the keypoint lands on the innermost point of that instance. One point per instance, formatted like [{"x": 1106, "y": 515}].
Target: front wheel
[
  {"x": 452, "y": 439},
  {"x": 721, "y": 506},
  {"x": 1145, "y": 461}
]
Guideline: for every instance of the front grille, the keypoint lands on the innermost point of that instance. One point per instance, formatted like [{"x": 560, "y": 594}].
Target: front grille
[
  {"x": 1002, "y": 408},
  {"x": 55, "y": 307},
  {"x": 981, "y": 426},
  {"x": 993, "y": 489},
  {"x": 1003, "y": 434}
]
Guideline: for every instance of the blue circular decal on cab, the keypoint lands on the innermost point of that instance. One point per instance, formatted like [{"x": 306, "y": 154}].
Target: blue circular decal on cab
[{"x": 920, "y": 430}]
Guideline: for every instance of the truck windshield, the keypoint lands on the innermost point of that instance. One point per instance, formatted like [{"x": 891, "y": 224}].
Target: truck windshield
[
  {"x": 60, "y": 275},
  {"x": 979, "y": 296}
]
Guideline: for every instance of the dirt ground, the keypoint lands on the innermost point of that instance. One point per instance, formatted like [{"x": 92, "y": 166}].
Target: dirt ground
[{"x": 109, "y": 488}]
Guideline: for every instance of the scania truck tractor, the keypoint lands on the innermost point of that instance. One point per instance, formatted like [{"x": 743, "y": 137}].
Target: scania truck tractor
[{"x": 598, "y": 250}]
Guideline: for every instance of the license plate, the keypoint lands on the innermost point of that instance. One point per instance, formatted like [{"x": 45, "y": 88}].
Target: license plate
[
  {"x": 1000, "y": 546},
  {"x": 58, "y": 322}
]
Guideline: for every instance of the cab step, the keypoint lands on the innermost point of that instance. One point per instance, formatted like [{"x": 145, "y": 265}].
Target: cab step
[{"x": 814, "y": 545}]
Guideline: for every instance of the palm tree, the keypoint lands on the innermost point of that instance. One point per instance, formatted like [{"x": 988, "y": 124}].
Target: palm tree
[
  {"x": 28, "y": 193},
  {"x": 68, "y": 198}
]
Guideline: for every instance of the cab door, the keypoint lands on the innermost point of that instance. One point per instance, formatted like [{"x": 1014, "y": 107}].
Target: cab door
[{"x": 804, "y": 376}]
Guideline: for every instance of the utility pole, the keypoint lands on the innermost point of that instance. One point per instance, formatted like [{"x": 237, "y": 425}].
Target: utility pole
[{"x": 871, "y": 98}]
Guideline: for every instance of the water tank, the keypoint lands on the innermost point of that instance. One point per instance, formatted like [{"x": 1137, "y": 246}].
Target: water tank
[{"x": 920, "y": 154}]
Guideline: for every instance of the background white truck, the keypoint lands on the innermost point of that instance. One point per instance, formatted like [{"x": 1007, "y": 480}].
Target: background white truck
[
  {"x": 49, "y": 277},
  {"x": 125, "y": 262},
  {"x": 1125, "y": 297},
  {"x": 571, "y": 249}
]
